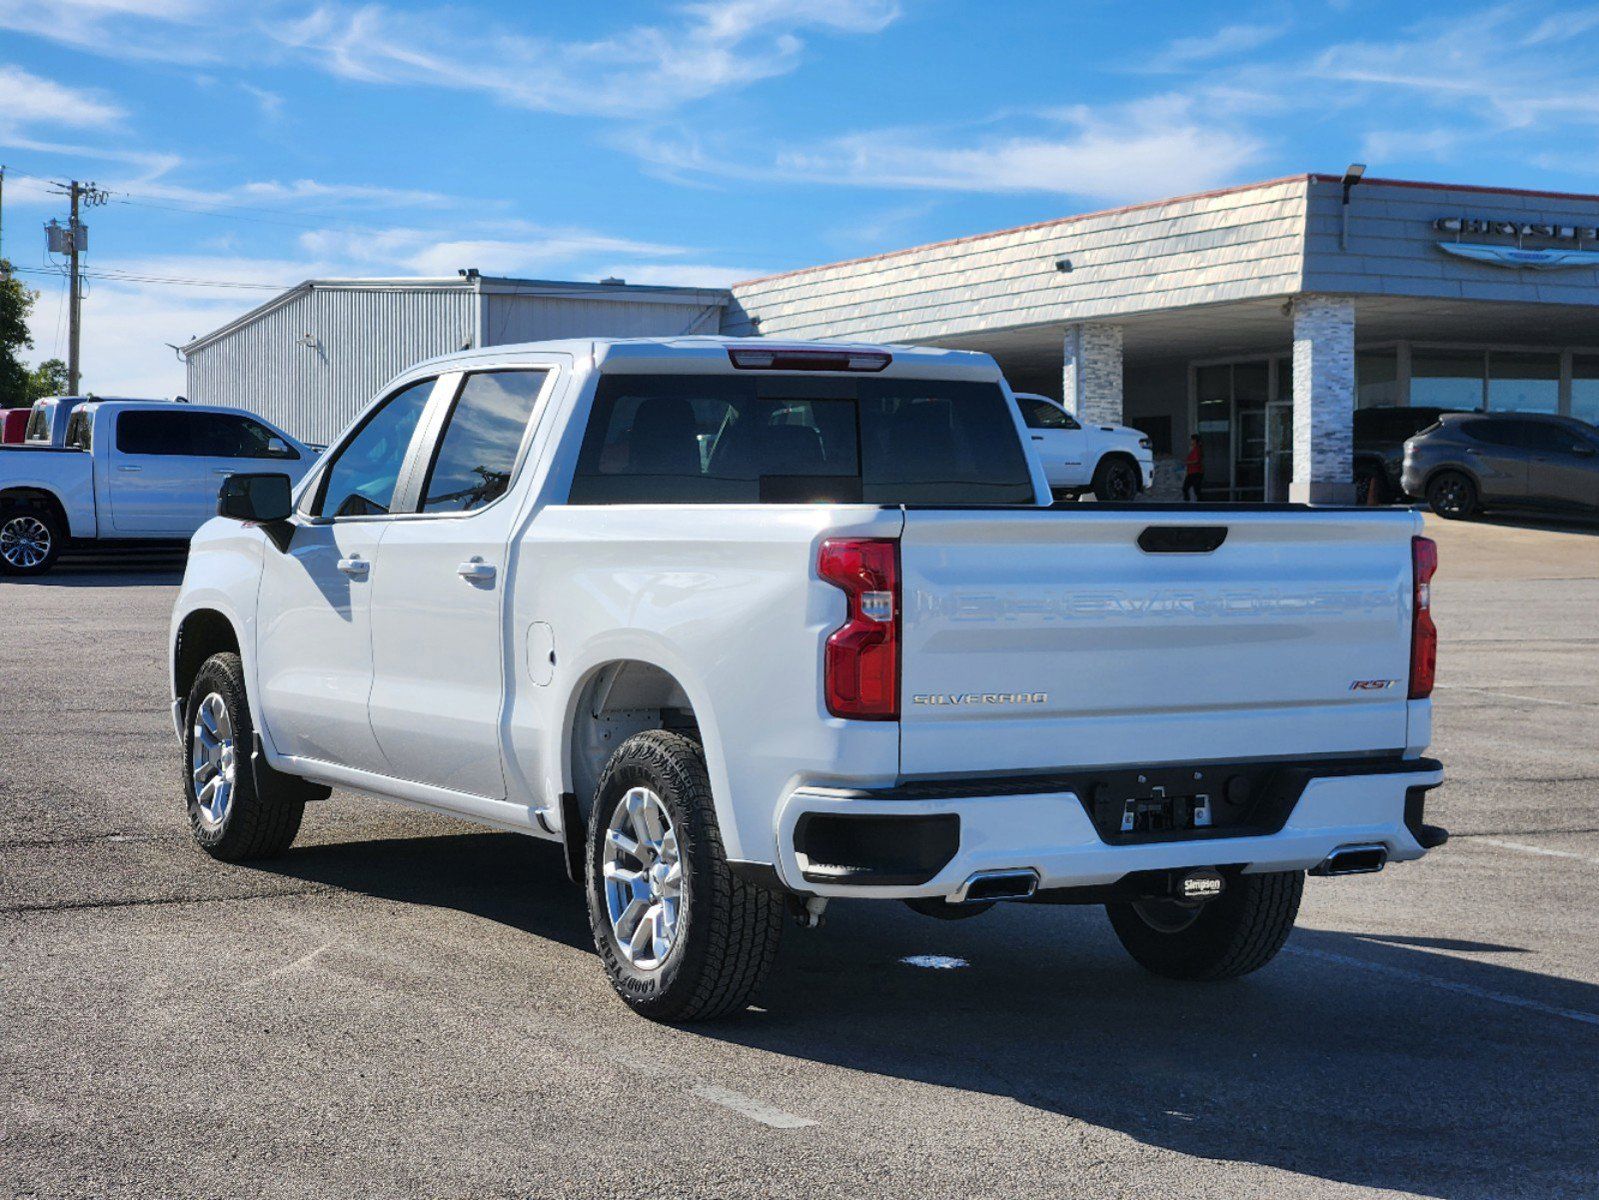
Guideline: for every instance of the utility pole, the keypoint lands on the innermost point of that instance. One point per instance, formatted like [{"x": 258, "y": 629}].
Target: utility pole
[{"x": 77, "y": 240}]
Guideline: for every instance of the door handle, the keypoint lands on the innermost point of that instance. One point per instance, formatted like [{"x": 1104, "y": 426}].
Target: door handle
[
  {"x": 475, "y": 570},
  {"x": 130, "y": 470},
  {"x": 355, "y": 566},
  {"x": 1038, "y": 437}
]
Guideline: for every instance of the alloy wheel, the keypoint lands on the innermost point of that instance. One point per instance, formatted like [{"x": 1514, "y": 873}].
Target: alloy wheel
[
  {"x": 213, "y": 759},
  {"x": 1119, "y": 482},
  {"x": 643, "y": 877},
  {"x": 24, "y": 541}
]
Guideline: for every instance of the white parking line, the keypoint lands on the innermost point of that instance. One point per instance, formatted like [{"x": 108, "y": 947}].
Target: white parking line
[
  {"x": 1448, "y": 985},
  {"x": 755, "y": 1110},
  {"x": 1526, "y": 849},
  {"x": 1461, "y": 687}
]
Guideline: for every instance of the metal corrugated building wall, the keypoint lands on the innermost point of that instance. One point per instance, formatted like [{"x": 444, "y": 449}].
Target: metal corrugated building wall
[{"x": 312, "y": 358}]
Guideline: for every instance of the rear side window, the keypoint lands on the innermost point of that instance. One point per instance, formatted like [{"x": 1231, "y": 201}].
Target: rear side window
[
  {"x": 1041, "y": 414},
  {"x": 481, "y": 440},
  {"x": 1495, "y": 433},
  {"x": 360, "y": 481},
  {"x": 784, "y": 440},
  {"x": 38, "y": 429},
  {"x": 80, "y": 432}
]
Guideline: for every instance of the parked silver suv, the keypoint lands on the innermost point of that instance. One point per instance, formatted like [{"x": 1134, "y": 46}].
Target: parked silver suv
[{"x": 1471, "y": 461}]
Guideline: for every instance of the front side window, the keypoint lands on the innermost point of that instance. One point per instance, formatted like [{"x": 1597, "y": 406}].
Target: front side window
[
  {"x": 784, "y": 440},
  {"x": 223, "y": 435},
  {"x": 481, "y": 439},
  {"x": 1041, "y": 414},
  {"x": 360, "y": 481}
]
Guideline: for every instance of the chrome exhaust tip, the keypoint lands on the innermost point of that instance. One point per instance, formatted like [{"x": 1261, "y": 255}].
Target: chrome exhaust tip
[
  {"x": 1012, "y": 884},
  {"x": 1361, "y": 858}
]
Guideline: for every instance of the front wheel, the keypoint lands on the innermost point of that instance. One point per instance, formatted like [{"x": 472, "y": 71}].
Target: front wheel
[
  {"x": 1116, "y": 479},
  {"x": 30, "y": 541},
  {"x": 682, "y": 938},
  {"x": 232, "y": 815},
  {"x": 1452, "y": 495},
  {"x": 1238, "y": 932}
]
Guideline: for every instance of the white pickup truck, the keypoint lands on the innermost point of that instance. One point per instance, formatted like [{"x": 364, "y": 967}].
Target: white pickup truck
[
  {"x": 125, "y": 472},
  {"x": 1112, "y": 461},
  {"x": 747, "y": 627}
]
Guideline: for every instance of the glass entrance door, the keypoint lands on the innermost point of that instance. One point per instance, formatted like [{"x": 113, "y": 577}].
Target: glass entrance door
[{"x": 1279, "y": 449}]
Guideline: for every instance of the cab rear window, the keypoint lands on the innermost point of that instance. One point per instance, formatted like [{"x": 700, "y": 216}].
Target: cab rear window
[{"x": 778, "y": 439}]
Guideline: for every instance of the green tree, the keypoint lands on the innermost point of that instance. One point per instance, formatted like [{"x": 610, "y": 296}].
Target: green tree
[
  {"x": 16, "y": 302},
  {"x": 49, "y": 378}
]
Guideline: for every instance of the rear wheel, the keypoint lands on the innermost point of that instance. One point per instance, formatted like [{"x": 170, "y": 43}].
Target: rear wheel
[
  {"x": 30, "y": 540},
  {"x": 1115, "y": 479},
  {"x": 1370, "y": 487},
  {"x": 1239, "y": 931},
  {"x": 682, "y": 938},
  {"x": 1451, "y": 494},
  {"x": 230, "y": 817}
]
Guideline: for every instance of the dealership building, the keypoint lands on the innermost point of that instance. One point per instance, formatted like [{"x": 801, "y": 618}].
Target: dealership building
[{"x": 1258, "y": 317}]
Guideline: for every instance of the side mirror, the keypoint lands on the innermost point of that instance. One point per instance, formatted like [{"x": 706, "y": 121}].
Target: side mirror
[{"x": 262, "y": 498}]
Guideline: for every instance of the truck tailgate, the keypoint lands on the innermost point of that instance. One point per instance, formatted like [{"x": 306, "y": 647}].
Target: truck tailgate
[{"x": 1046, "y": 639}]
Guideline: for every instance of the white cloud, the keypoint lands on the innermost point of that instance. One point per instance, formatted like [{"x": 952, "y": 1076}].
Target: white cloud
[
  {"x": 162, "y": 30},
  {"x": 27, "y": 99},
  {"x": 1184, "y": 53},
  {"x": 1148, "y": 148},
  {"x": 714, "y": 46}
]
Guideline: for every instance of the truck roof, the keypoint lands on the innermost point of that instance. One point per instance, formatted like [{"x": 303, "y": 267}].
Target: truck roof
[{"x": 703, "y": 353}]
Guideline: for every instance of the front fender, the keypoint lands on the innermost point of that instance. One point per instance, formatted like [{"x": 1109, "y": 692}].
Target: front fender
[{"x": 223, "y": 575}]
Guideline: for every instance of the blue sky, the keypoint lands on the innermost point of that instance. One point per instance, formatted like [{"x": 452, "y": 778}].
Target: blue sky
[{"x": 255, "y": 145}]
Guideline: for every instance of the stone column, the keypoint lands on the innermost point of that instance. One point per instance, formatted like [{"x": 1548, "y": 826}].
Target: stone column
[
  {"x": 1091, "y": 386},
  {"x": 1324, "y": 400}
]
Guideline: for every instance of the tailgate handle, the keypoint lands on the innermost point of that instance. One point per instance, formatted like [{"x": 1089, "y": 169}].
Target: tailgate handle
[{"x": 1181, "y": 539}]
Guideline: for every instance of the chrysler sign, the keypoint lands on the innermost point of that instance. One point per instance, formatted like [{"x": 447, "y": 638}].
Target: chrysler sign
[{"x": 1544, "y": 258}]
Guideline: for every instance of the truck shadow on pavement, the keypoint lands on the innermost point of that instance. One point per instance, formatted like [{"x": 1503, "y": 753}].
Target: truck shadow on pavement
[{"x": 1384, "y": 1061}]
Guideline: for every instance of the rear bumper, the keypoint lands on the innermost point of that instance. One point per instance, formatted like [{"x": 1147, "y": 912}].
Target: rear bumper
[{"x": 1050, "y": 833}]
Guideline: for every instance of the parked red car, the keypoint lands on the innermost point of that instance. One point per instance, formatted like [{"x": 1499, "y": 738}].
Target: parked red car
[{"x": 13, "y": 425}]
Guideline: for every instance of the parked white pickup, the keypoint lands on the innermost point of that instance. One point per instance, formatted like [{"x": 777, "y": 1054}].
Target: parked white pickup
[
  {"x": 1112, "y": 461},
  {"x": 128, "y": 471},
  {"x": 748, "y": 626}
]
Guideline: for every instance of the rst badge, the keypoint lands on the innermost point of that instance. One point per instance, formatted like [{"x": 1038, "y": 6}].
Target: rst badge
[{"x": 1371, "y": 685}]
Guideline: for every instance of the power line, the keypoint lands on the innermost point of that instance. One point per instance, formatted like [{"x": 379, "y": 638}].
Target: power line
[{"x": 175, "y": 281}]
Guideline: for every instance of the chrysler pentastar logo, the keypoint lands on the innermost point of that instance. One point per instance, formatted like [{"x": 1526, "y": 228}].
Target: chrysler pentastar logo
[{"x": 978, "y": 699}]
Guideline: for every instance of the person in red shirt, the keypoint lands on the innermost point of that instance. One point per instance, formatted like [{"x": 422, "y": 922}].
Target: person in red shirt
[{"x": 1194, "y": 469}]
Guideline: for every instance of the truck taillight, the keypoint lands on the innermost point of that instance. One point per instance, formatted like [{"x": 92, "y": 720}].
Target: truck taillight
[
  {"x": 860, "y": 672},
  {"x": 1423, "y": 633}
]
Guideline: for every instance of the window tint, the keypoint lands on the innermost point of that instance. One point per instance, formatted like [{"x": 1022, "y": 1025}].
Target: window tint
[
  {"x": 222, "y": 435},
  {"x": 361, "y": 480},
  {"x": 1542, "y": 435},
  {"x": 1040, "y": 414},
  {"x": 1495, "y": 433},
  {"x": 80, "y": 431},
  {"x": 478, "y": 452},
  {"x": 201, "y": 434},
  {"x": 781, "y": 439}
]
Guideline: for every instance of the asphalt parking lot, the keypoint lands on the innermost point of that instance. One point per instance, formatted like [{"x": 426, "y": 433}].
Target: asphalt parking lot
[{"x": 408, "y": 1006}]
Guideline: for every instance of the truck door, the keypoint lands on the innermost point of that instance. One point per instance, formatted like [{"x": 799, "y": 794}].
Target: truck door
[
  {"x": 438, "y": 617},
  {"x": 168, "y": 465},
  {"x": 314, "y": 616},
  {"x": 1057, "y": 441},
  {"x": 1564, "y": 471}
]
